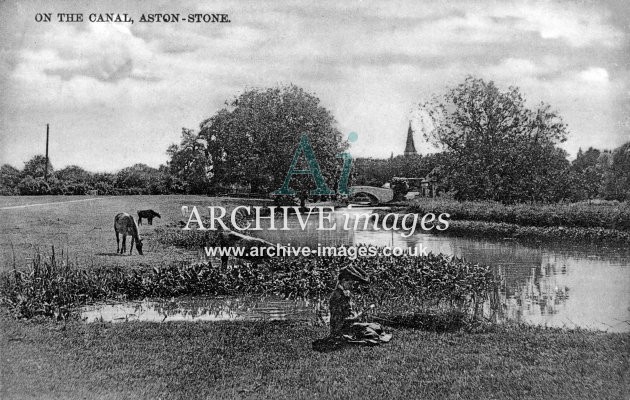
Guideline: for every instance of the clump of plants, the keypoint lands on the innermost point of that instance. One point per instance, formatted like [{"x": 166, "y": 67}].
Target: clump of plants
[{"x": 53, "y": 288}]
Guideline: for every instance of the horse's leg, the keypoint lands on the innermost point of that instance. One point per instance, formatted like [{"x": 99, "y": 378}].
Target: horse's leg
[
  {"x": 131, "y": 245},
  {"x": 224, "y": 261},
  {"x": 117, "y": 243},
  {"x": 150, "y": 219},
  {"x": 123, "y": 250}
]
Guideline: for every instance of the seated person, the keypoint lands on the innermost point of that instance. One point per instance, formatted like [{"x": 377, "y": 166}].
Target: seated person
[{"x": 344, "y": 319}]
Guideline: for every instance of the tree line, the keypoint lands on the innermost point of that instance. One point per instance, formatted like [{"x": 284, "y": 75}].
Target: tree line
[{"x": 492, "y": 146}]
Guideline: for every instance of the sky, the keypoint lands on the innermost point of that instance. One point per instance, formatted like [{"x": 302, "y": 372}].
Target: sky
[{"x": 116, "y": 94}]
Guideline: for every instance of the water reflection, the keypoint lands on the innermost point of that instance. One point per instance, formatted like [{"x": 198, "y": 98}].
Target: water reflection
[
  {"x": 206, "y": 309},
  {"x": 549, "y": 284}
]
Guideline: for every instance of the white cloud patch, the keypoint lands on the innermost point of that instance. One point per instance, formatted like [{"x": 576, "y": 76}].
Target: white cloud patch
[
  {"x": 594, "y": 75},
  {"x": 576, "y": 24}
]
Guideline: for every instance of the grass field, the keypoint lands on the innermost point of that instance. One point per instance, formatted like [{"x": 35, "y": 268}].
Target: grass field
[
  {"x": 84, "y": 227},
  {"x": 275, "y": 361},
  {"x": 140, "y": 360}
]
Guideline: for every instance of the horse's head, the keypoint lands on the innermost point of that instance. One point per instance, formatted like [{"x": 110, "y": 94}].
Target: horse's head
[{"x": 139, "y": 246}]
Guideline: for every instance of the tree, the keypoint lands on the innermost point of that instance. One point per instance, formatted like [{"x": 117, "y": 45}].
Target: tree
[
  {"x": 71, "y": 180},
  {"x": 587, "y": 174},
  {"x": 189, "y": 164},
  {"x": 616, "y": 179},
  {"x": 253, "y": 140},
  {"x": 74, "y": 173},
  {"x": 35, "y": 167},
  {"x": 136, "y": 179},
  {"x": 496, "y": 147},
  {"x": 33, "y": 186},
  {"x": 105, "y": 183},
  {"x": 9, "y": 179}
]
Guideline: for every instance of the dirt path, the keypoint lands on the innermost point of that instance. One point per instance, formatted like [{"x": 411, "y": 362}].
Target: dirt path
[{"x": 46, "y": 204}]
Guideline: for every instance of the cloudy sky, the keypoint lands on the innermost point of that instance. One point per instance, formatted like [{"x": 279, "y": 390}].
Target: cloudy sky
[{"x": 117, "y": 94}]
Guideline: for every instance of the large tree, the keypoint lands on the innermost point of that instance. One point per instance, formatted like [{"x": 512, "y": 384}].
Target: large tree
[
  {"x": 253, "y": 140},
  {"x": 496, "y": 147},
  {"x": 189, "y": 164}
]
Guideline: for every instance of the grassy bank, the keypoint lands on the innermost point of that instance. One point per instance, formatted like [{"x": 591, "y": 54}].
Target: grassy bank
[
  {"x": 601, "y": 224},
  {"x": 501, "y": 230},
  {"x": 84, "y": 227},
  {"x": 569, "y": 215},
  {"x": 275, "y": 360}
]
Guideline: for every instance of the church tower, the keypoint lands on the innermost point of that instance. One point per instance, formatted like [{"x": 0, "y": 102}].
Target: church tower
[{"x": 410, "y": 147}]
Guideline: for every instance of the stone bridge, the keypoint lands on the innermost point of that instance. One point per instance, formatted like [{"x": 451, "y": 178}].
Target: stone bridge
[{"x": 375, "y": 195}]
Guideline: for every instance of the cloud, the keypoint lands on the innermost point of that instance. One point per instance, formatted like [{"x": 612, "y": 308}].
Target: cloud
[
  {"x": 594, "y": 75},
  {"x": 105, "y": 52},
  {"x": 117, "y": 85},
  {"x": 576, "y": 24}
]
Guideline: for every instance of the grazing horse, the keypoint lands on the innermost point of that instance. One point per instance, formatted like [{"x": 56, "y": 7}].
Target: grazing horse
[
  {"x": 124, "y": 224},
  {"x": 234, "y": 239},
  {"x": 148, "y": 214}
]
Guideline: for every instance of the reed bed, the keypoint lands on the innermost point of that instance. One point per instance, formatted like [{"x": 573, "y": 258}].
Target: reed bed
[{"x": 53, "y": 287}]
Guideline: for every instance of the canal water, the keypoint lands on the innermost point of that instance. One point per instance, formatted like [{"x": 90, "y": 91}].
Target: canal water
[{"x": 543, "y": 284}]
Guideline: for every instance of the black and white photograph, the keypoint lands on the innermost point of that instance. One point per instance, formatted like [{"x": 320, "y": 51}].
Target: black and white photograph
[{"x": 239, "y": 199}]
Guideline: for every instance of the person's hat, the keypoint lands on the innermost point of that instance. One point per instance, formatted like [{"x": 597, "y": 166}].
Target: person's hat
[{"x": 353, "y": 274}]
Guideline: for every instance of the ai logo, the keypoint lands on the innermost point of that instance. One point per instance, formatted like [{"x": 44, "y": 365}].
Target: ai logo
[{"x": 314, "y": 170}]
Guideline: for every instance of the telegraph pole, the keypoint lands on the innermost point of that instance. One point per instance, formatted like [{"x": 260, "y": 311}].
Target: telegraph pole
[{"x": 46, "y": 166}]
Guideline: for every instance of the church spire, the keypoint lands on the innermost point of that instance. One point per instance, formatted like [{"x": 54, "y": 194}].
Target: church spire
[{"x": 410, "y": 147}]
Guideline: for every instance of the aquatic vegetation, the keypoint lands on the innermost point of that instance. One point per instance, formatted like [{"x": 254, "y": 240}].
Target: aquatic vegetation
[{"x": 52, "y": 288}]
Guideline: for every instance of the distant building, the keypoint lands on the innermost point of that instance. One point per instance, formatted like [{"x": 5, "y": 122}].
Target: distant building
[
  {"x": 410, "y": 147},
  {"x": 422, "y": 187}
]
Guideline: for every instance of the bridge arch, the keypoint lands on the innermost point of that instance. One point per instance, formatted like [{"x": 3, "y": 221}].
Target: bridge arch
[{"x": 375, "y": 195}]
